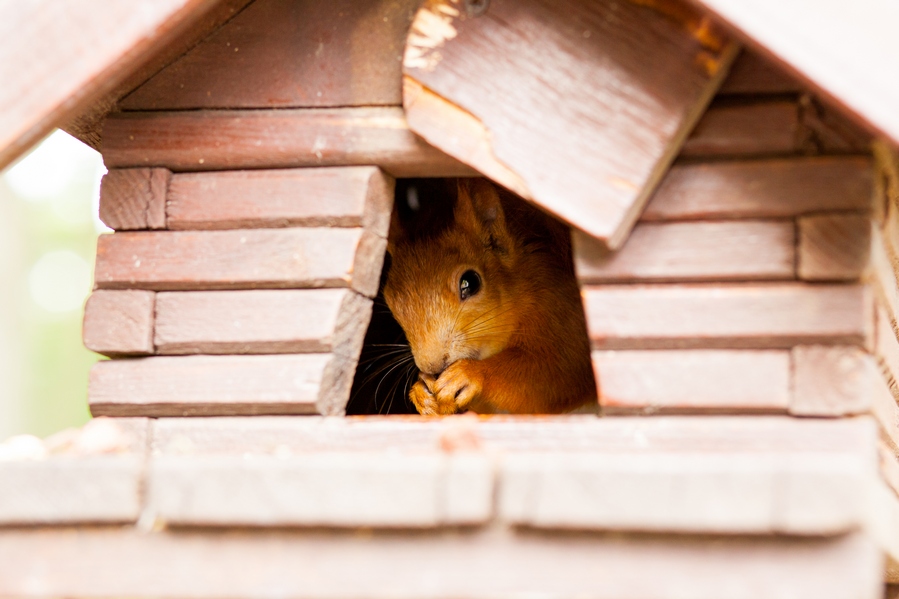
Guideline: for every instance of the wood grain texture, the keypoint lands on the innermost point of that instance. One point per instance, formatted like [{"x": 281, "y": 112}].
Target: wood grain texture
[
  {"x": 752, "y": 73},
  {"x": 221, "y": 385},
  {"x": 134, "y": 198},
  {"x": 57, "y": 58},
  {"x": 680, "y": 381},
  {"x": 327, "y": 197},
  {"x": 619, "y": 138},
  {"x": 251, "y": 139},
  {"x": 727, "y": 316},
  {"x": 881, "y": 273},
  {"x": 241, "y": 259},
  {"x": 801, "y": 35},
  {"x": 263, "y": 322},
  {"x": 770, "y": 188},
  {"x": 765, "y": 127},
  {"x": 342, "y": 53},
  {"x": 833, "y": 247},
  {"x": 119, "y": 323},
  {"x": 709, "y": 251},
  {"x": 243, "y": 563},
  {"x": 886, "y": 346}
]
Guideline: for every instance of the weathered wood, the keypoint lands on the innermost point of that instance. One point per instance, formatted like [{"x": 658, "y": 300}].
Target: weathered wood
[
  {"x": 506, "y": 91},
  {"x": 772, "y": 188},
  {"x": 342, "y": 54},
  {"x": 761, "y": 128},
  {"x": 343, "y": 490},
  {"x": 204, "y": 563},
  {"x": 752, "y": 74},
  {"x": 326, "y": 197},
  {"x": 833, "y": 247},
  {"x": 251, "y": 139},
  {"x": 119, "y": 322},
  {"x": 831, "y": 381},
  {"x": 693, "y": 380},
  {"x": 57, "y": 58},
  {"x": 221, "y": 385},
  {"x": 251, "y": 322},
  {"x": 241, "y": 259},
  {"x": 709, "y": 251},
  {"x": 134, "y": 198},
  {"x": 727, "y": 316}
]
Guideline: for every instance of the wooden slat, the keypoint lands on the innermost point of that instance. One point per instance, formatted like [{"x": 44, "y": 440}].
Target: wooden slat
[
  {"x": 772, "y": 188},
  {"x": 757, "y": 129},
  {"x": 516, "y": 100},
  {"x": 275, "y": 321},
  {"x": 221, "y": 385},
  {"x": 327, "y": 197},
  {"x": 710, "y": 251},
  {"x": 726, "y": 316},
  {"x": 251, "y": 139},
  {"x": 753, "y": 74},
  {"x": 57, "y": 58},
  {"x": 833, "y": 247},
  {"x": 692, "y": 380},
  {"x": 243, "y": 258},
  {"x": 134, "y": 198},
  {"x": 887, "y": 345},
  {"x": 881, "y": 273},
  {"x": 832, "y": 381},
  {"x": 346, "y": 54},
  {"x": 203, "y": 563},
  {"x": 119, "y": 322}
]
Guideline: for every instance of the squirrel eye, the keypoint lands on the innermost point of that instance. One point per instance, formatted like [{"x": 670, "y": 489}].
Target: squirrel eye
[{"x": 469, "y": 284}]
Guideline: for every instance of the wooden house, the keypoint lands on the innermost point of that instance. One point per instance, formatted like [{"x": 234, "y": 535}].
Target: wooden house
[{"x": 735, "y": 215}]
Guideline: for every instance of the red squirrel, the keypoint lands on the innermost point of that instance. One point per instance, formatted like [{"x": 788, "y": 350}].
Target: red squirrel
[{"x": 490, "y": 307}]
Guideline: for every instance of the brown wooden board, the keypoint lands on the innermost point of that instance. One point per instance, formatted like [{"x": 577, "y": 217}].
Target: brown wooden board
[
  {"x": 751, "y": 74},
  {"x": 705, "y": 251},
  {"x": 727, "y": 316},
  {"x": 250, "y": 139},
  {"x": 833, "y": 247},
  {"x": 119, "y": 323},
  {"x": 221, "y": 385},
  {"x": 261, "y": 322},
  {"x": 326, "y": 197},
  {"x": 570, "y": 115},
  {"x": 286, "y": 54},
  {"x": 241, "y": 259},
  {"x": 134, "y": 198},
  {"x": 760, "y": 128},
  {"x": 682, "y": 381},
  {"x": 770, "y": 188}
]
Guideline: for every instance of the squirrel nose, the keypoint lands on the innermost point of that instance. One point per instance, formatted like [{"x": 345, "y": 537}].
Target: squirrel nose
[{"x": 434, "y": 366}]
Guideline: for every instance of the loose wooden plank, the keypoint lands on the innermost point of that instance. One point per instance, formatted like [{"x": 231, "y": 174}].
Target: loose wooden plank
[
  {"x": 221, "y": 385},
  {"x": 271, "y": 321},
  {"x": 727, "y": 316},
  {"x": 769, "y": 188},
  {"x": 680, "y": 381},
  {"x": 833, "y": 247},
  {"x": 709, "y": 251},
  {"x": 241, "y": 259},
  {"x": 601, "y": 176},
  {"x": 119, "y": 323},
  {"x": 327, "y": 197},
  {"x": 134, "y": 198},
  {"x": 344, "y": 54},
  {"x": 57, "y": 58},
  {"x": 251, "y": 139},
  {"x": 761, "y": 128},
  {"x": 205, "y": 563},
  {"x": 752, "y": 74},
  {"x": 409, "y": 491}
]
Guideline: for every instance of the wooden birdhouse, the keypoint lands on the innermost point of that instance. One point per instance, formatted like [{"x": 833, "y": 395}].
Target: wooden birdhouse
[{"x": 732, "y": 188}]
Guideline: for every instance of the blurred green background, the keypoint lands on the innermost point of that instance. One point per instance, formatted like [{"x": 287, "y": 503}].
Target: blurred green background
[{"x": 48, "y": 239}]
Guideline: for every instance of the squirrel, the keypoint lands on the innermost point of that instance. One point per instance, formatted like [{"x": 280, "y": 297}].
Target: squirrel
[{"x": 489, "y": 303}]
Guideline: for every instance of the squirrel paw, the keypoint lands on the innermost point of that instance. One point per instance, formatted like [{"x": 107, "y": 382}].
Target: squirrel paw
[
  {"x": 425, "y": 401},
  {"x": 451, "y": 392}
]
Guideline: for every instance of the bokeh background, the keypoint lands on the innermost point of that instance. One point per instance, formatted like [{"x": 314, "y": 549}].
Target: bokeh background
[{"x": 48, "y": 239}]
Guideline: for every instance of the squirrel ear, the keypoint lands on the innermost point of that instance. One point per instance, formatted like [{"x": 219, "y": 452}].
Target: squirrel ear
[{"x": 479, "y": 209}]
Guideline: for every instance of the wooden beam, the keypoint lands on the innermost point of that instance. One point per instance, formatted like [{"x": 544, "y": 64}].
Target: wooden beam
[
  {"x": 58, "y": 58},
  {"x": 253, "y": 139},
  {"x": 752, "y": 74},
  {"x": 543, "y": 118},
  {"x": 134, "y": 198}
]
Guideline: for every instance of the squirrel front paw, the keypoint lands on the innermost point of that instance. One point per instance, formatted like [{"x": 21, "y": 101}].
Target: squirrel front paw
[{"x": 452, "y": 391}]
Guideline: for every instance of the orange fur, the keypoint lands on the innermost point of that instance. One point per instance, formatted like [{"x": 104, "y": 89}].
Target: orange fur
[{"x": 520, "y": 343}]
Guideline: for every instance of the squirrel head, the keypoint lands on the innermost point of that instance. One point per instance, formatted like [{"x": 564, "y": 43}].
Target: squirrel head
[{"x": 453, "y": 291}]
